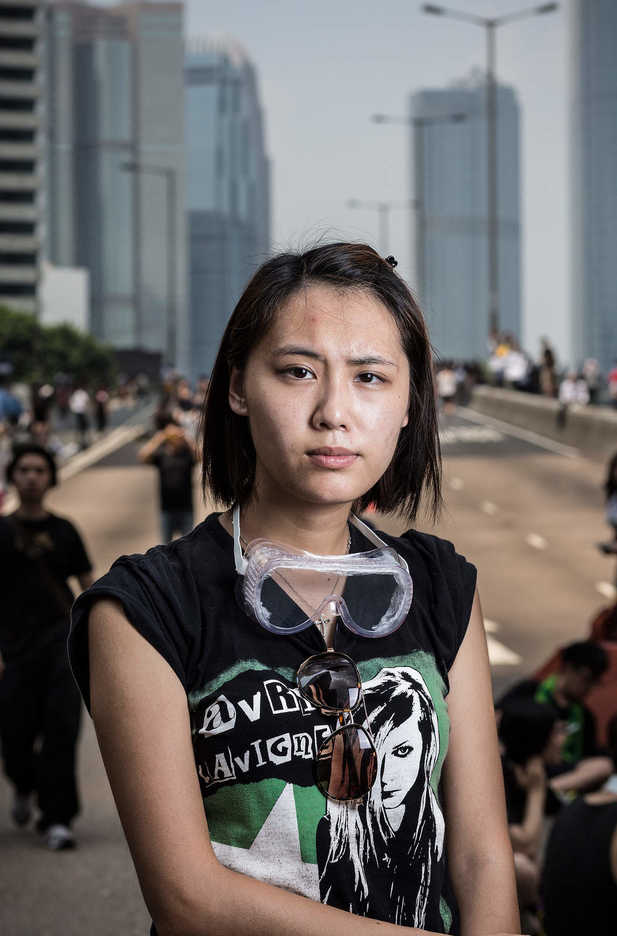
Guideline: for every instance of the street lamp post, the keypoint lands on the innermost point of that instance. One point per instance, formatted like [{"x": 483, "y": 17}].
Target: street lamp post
[
  {"x": 383, "y": 208},
  {"x": 169, "y": 175},
  {"x": 419, "y": 124},
  {"x": 490, "y": 24}
]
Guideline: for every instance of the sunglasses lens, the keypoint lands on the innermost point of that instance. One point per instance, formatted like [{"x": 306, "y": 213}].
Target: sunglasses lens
[
  {"x": 330, "y": 681},
  {"x": 346, "y": 764}
]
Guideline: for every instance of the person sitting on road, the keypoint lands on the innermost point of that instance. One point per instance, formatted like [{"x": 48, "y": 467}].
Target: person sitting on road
[
  {"x": 531, "y": 736},
  {"x": 583, "y": 766},
  {"x": 579, "y": 879}
]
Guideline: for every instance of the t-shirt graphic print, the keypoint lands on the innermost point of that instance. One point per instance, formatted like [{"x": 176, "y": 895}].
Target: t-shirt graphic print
[{"x": 255, "y": 740}]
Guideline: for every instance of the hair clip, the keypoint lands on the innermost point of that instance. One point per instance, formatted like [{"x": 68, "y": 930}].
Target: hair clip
[{"x": 392, "y": 261}]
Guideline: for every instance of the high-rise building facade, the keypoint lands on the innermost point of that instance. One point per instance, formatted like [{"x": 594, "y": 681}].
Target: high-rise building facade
[
  {"x": 228, "y": 188},
  {"x": 449, "y": 181},
  {"x": 594, "y": 181},
  {"x": 21, "y": 152},
  {"x": 116, "y": 167}
]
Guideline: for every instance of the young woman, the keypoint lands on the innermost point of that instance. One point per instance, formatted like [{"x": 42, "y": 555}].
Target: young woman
[{"x": 217, "y": 668}]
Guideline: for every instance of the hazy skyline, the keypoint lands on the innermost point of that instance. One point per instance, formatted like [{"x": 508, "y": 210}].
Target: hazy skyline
[{"x": 325, "y": 67}]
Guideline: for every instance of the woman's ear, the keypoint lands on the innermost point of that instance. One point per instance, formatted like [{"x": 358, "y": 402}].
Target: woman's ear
[{"x": 237, "y": 401}]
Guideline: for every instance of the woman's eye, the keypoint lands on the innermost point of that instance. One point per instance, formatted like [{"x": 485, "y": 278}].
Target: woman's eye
[
  {"x": 369, "y": 378},
  {"x": 300, "y": 373},
  {"x": 403, "y": 750}
]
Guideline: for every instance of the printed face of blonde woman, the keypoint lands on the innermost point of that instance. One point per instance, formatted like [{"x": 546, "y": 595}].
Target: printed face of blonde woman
[
  {"x": 326, "y": 393},
  {"x": 400, "y": 755}
]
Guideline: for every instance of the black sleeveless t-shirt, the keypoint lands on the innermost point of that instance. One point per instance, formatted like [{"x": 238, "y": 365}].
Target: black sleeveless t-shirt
[{"x": 255, "y": 738}]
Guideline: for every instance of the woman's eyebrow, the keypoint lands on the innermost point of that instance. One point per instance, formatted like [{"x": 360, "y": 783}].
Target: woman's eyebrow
[{"x": 355, "y": 361}]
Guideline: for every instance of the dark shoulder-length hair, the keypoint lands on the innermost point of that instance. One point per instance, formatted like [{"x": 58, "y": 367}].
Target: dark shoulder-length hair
[{"x": 228, "y": 450}]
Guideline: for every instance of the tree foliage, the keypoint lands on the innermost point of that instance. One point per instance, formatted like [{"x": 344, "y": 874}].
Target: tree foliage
[{"x": 38, "y": 353}]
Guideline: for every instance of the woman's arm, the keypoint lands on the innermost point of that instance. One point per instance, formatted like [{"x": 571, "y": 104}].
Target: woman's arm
[
  {"x": 480, "y": 854},
  {"x": 526, "y": 836},
  {"x": 142, "y": 723}
]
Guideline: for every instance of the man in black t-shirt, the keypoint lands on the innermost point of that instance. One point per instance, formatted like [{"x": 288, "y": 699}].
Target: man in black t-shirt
[
  {"x": 173, "y": 455},
  {"x": 39, "y": 701}
]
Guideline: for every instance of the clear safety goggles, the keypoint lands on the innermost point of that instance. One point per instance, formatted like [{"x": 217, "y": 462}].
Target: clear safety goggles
[{"x": 287, "y": 590}]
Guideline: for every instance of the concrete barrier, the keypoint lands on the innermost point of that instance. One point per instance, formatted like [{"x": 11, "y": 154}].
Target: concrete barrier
[{"x": 592, "y": 429}]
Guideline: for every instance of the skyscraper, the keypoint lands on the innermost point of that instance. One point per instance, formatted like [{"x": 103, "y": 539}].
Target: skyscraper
[
  {"x": 116, "y": 167},
  {"x": 450, "y": 184},
  {"x": 228, "y": 188},
  {"x": 594, "y": 185},
  {"x": 21, "y": 164}
]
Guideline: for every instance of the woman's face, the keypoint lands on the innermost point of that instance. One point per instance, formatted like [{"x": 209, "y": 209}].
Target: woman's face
[
  {"x": 326, "y": 393},
  {"x": 400, "y": 757}
]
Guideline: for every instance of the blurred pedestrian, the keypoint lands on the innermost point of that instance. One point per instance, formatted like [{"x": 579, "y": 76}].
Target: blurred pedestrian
[
  {"x": 612, "y": 384},
  {"x": 610, "y": 505},
  {"x": 172, "y": 452},
  {"x": 548, "y": 369},
  {"x": 583, "y": 764},
  {"x": 79, "y": 403},
  {"x": 446, "y": 387},
  {"x": 579, "y": 879},
  {"x": 39, "y": 702},
  {"x": 592, "y": 376},
  {"x": 101, "y": 403}
]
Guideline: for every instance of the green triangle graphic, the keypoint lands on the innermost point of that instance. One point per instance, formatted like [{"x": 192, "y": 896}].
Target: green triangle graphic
[
  {"x": 310, "y": 807},
  {"x": 237, "y": 813}
]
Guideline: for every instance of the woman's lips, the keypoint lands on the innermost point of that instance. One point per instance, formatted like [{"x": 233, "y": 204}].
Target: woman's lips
[{"x": 332, "y": 458}]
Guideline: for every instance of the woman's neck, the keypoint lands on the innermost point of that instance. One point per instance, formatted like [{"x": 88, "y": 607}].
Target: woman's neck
[{"x": 315, "y": 528}]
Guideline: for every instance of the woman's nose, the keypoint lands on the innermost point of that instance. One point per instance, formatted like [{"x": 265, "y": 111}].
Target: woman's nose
[{"x": 332, "y": 409}]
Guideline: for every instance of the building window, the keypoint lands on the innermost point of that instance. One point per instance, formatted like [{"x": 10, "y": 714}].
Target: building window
[
  {"x": 17, "y": 104},
  {"x": 27, "y": 228},
  {"x": 17, "y": 43},
  {"x": 17, "y": 165},
  {"x": 11, "y": 135},
  {"x": 17, "y": 197},
  {"x": 10, "y": 11},
  {"x": 16, "y": 74},
  {"x": 18, "y": 289},
  {"x": 17, "y": 259}
]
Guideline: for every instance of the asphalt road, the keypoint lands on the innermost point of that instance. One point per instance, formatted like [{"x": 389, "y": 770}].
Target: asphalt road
[{"x": 526, "y": 514}]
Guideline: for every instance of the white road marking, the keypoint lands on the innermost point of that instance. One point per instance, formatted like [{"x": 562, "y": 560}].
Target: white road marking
[
  {"x": 526, "y": 434},
  {"x": 456, "y": 484},
  {"x": 488, "y": 507},
  {"x": 607, "y": 590},
  {"x": 500, "y": 655},
  {"x": 115, "y": 440},
  {"x": 535, "y": 540},
  {"x": 491, "y": 627},
  {"x": 450, "y": 434}
]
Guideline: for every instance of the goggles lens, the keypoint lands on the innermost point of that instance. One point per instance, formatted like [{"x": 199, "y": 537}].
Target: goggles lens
[{"x": 346, "y": 764}]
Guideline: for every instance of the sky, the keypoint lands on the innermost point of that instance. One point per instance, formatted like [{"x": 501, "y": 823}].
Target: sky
[{"x": 324, "y": 66}]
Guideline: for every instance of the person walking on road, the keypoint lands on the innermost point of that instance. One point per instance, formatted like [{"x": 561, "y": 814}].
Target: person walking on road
[
  {"x": 173, "y": 454},
  {"x": 253, "y": 764},
  {"x": 39, "y": 701},
  {"x": 80, "y": 407}
]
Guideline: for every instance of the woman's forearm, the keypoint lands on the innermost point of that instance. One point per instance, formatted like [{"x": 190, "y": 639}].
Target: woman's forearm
[
  {"x": 486, "y": 894},
  {"x": 232, "y": 904}
]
